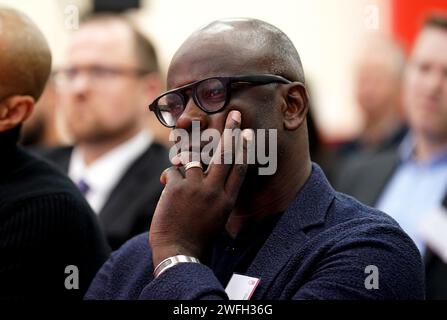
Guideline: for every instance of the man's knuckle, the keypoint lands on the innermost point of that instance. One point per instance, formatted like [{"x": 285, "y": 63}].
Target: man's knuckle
[
  {"x": 212, "y": 194},
  {"x": 176, "y": 189}
]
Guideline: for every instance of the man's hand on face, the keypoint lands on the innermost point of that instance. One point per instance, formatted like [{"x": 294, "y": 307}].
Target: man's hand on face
[{"x": 195, "y": 206}]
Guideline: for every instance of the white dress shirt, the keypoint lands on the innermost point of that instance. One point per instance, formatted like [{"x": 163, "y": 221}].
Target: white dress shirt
[{"x": 103, "y": 174}]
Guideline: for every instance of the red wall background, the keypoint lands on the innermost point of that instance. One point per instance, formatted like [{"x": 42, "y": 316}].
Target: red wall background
[{"x": 408, "y": 15}]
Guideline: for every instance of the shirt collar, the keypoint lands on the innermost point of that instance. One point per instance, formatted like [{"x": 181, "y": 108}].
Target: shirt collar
[
  {"x": 407, "y": 149},
  {"x": 104, "y": 173}
]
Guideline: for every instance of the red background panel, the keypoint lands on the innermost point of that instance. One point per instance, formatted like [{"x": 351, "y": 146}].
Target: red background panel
[{"x": 407, "y": 17}]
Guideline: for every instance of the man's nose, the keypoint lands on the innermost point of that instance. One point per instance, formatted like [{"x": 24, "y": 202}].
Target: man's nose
[
  {"x": 80, "y": 83},
  {"x": 192, "y": 113}
]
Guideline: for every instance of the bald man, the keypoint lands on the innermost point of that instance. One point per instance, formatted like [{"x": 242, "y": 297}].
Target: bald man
[
  {"x": 50, "y": 243},
  {"x": 379, "y": 67},
  {"x": 226, "y": 229}
]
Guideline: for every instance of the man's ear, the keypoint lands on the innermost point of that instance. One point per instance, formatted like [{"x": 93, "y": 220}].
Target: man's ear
[
  {"x": 296, "y": 106},
  {"x": 14, "y": 111}
]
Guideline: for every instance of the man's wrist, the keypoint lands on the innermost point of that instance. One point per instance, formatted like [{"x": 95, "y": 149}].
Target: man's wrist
[
  {"x": 160, "y": 253},
  {"x": 172, "y": 261}
]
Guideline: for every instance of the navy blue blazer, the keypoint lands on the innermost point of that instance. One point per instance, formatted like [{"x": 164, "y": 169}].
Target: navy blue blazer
[{"x": 320, "y": 249}]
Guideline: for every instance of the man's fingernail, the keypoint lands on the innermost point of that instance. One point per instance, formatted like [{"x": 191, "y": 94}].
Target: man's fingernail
[{"x": 236, "y": 116}]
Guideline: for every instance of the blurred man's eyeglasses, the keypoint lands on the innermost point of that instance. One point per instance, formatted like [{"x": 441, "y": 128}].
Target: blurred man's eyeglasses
[
  {"x": 211, "y": 95},
  {"x": 65, "y": 77}
]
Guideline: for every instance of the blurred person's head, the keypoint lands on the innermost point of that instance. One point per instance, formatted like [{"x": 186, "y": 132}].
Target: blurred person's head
[
  {"x": 426, "y": 83},
  {"x": 25, "y": 64},
  {"x": 378, "y": 77},
  {"x": 110, "y": 76}
]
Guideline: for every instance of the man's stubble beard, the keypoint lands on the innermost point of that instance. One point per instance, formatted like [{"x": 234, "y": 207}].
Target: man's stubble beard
[{"x": 99, "y": 134}]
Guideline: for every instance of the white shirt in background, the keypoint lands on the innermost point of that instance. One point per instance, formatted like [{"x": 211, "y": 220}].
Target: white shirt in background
[{"x": 104, "y": 173}]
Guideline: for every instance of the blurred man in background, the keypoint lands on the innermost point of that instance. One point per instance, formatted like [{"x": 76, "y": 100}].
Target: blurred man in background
[
  {"x": 410, "y": 182},
  {"x": 45, "y": 224},
  {"x": 378, "y": 78},
  {"x": 110, "y": 76}
]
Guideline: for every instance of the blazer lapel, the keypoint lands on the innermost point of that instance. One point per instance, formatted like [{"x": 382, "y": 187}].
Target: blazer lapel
[
  {"x": 60, "y": 157},
  {"x": 381, "y": 174},
  {"x": 308, "y": 209},
  {"x": 126, "y": 194}
]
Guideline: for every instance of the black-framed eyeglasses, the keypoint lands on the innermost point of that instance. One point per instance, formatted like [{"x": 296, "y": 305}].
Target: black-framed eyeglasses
[{"x": 211, "y": 95}]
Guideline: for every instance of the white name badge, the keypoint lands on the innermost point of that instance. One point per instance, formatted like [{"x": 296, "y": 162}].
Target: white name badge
[
  {"x": 433, "y": 230},
  {"x": 241, "y": 287}
]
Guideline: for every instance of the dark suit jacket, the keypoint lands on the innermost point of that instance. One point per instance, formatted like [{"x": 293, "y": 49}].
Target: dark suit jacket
[
  {"x": 129, "y": 208},
  {"x": 365, "y": 177},
  {"x": 319, "y": 249}
]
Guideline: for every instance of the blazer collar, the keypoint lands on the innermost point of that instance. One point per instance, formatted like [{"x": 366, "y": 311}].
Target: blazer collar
[{"x": 308, "y": 209}]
